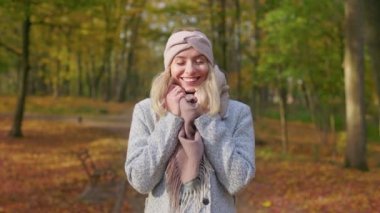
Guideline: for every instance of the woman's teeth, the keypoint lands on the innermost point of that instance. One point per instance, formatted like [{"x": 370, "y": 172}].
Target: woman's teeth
[{"x": 192, "y": 79}]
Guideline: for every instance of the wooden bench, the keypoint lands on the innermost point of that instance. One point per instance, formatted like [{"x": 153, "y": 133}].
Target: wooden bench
[
  {"x": 103, "y": 183},
  {"x": 96, "y": 175}
]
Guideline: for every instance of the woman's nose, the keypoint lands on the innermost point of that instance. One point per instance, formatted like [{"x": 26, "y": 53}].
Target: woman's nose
[{"x": 189, "y": 67}]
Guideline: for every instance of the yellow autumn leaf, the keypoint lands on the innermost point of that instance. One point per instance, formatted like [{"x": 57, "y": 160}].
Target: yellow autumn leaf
[{"x": 266, "y": 204}]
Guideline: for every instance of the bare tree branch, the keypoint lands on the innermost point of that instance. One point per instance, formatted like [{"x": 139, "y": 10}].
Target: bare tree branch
[{"x": 10, "y": 49}]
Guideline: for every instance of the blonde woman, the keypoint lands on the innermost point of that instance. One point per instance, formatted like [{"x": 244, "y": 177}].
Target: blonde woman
[{"x": 191, "y": 148}]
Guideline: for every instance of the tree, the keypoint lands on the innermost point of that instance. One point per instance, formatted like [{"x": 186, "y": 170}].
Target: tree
[
  {"x": 354, "y": 85},
  {"x": 237, "y": 46},
  {"x": 372, "y": 8},
  {"x": 218, "y": 24},
  {"x": 16, "y": 130},
  {"x": 131, "y": 27},
  {"x": 292, "y": 51}
]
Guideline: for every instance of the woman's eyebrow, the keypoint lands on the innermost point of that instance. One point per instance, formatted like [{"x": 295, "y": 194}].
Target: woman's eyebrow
[{"x": 195, "y": 56}]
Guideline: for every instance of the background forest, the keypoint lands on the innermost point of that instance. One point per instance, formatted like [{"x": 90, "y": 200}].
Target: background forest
[{"x": 309, "y": 69}]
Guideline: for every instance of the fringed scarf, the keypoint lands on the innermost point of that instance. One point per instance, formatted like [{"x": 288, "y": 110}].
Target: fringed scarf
[{"x": 185, "y": 196}]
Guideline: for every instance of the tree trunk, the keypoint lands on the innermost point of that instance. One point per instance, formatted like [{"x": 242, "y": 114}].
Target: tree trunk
[
  {"x": 213, "y": 34},
  {"x": 372, "y": 8},
  {"x": 255, "y": 102},
  {"x": 95, "y": 76},
  {"x": 318, "y": 117},
  {"x": 130, "y": 59},
  {"x": 218, "y": 23},
  {"x": 80, "y": 74},
  {"x": 238, "y": 47},
  {"x": 130, "y": 53},
  {"x": 283, "y": 119},
  {"x": 334, "y": 150},
  {"x": 121, "y": 62},
  {"x": 57, "y": 79},
  {"x": 282, "y": 93},
  {"x": 67, "y": 83},
  {"x": 16, "y": 130},
  {"x": 221, "y": 57},
  {"x": 354, "y": 87},
  {"x": 107, "y": 69},
  {"x": 110, "y": 25}
]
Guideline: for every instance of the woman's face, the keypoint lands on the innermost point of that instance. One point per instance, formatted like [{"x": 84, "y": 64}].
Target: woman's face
[{"x": 189, "y": 69}]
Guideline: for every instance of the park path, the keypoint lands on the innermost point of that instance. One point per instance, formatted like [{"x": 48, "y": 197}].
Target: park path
[{"x": 114, "y": 123}]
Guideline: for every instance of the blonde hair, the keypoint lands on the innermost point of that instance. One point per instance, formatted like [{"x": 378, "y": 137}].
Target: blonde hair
[{"x": 207, "y": 93}]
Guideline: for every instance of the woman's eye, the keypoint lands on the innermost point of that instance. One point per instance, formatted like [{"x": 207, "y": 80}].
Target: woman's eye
[
  {"x": 200, "y": 61},
  {"x": 180, "y": 62}
]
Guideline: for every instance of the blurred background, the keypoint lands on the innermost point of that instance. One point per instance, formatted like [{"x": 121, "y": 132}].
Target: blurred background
[{"x": 72, "y": 70}]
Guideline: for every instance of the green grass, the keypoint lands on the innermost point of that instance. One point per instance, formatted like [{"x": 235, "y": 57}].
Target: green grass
[
  {"x": 302, "y": 114},
  {"x": 295, "y": 113},
  {"x": 373, "y": 132}
]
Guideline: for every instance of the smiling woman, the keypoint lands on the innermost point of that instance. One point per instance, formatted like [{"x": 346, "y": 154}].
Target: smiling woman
[{"x": 190, "y": 147}]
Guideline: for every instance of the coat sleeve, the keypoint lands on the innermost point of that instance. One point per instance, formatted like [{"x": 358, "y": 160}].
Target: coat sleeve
[
  {"x": 149, "y": 148},
  {"x": 231, "y": 155}
]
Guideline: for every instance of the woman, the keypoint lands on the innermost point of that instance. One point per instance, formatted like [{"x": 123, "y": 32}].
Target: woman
[{"x": 190, "y": 147}]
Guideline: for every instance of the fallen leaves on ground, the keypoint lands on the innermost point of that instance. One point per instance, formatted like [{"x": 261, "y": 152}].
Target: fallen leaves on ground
[
  {"x": 40, "y": 173},
  {"x": 301, "y": 182}
]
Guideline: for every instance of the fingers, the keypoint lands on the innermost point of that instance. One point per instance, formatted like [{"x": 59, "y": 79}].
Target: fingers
[
  {"x": 171, "y": 87},
  {"x": 176, "y": 92},
  {"x": 179, "y": 91},
  {"x": 173, "y": 96},
  {"x": 174, "y": 88}
]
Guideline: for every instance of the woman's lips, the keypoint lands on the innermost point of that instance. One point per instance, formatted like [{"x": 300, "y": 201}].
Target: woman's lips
[{"x": 190, "y": 79}]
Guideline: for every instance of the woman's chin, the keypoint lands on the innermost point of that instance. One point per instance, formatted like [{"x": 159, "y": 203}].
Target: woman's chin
[{"x": 190, "y": 90}]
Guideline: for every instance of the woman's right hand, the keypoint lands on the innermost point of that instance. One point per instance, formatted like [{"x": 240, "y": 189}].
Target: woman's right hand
[{"x": 174, "y": 95}]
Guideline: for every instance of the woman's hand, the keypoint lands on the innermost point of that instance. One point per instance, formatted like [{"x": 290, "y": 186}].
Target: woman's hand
[
  {"x": 174, "y": 95},
  {"x": 189, "y": 108}
]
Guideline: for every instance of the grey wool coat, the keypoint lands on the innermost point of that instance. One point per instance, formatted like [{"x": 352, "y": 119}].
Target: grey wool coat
[{"x": 229, "y": 147}]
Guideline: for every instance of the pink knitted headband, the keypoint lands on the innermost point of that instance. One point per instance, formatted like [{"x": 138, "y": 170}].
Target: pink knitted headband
[{"x": 184, "y": 40}]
